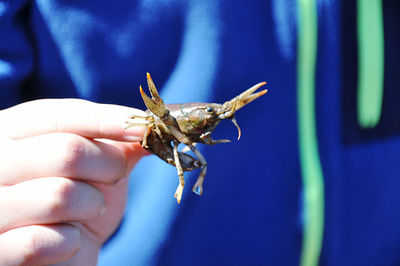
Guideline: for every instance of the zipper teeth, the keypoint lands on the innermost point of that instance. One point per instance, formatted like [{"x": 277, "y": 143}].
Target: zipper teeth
[
  {"x": 370, "y": 37},
  {"x": 311, "y": 170}
]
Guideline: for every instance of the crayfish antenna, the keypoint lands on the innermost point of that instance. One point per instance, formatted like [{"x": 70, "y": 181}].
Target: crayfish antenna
[{"x": 233, "y": 119}]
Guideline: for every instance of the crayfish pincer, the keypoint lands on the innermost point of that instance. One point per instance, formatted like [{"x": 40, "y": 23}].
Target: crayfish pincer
[{"x": 167, "y": 125}]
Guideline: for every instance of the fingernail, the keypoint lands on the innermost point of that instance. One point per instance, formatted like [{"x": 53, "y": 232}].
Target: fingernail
[
  {"x": 134, "y": 134},
  {"x": 133, "y": 138}
]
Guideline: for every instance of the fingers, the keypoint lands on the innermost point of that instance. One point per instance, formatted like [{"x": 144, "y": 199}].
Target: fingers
[
  {"x": 61, "y": 154},
  {"x": 48, "y": 201},
  {"x": 39, "y": 245},
  {"x": 76, "y": 116},
  {"x": 53, "y": 154}
]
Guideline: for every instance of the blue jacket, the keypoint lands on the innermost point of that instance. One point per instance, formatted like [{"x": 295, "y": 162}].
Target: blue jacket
[{"x": 312, "y": 178}]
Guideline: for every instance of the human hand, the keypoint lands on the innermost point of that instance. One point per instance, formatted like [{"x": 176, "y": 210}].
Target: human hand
[{"x": 64, "y": 165}]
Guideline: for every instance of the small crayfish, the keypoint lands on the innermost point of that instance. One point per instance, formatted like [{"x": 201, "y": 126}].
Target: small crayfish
[{"x": 167, "y": 125}]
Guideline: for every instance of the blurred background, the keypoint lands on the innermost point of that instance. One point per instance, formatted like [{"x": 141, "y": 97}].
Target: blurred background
[{"x": 315, "y": 177}]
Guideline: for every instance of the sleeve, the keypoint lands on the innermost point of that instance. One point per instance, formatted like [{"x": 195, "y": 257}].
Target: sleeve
[{"x": 16, "y": 51}]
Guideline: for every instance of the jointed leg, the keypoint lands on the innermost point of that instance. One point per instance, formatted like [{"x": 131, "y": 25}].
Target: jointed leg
[
  {"x": 160, "y": 135},
  {"x": 187, "y": 148},
  {"x": 147, "y": 120},
  {"x": 179, "y": 190},
  {"x": 209, "y": 141},
  {"x": 198, "y": 186},
  {"x": 148, "y": 123},
  {"x": 144, "y": 141}
]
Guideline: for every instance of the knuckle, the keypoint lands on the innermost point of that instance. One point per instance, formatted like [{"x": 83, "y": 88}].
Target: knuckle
[
  {"x": 116, "y": 176},
  {"x": 70, "y": 154},
  {"x": 73, "y": 200},
  {"x": 61, "y": 196},
  {"x": 39, "y": 243},
  {"x": 32, "y": 249}
]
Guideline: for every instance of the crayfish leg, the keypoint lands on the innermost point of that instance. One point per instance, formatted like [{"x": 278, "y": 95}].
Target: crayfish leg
[
  {"x": 198, "y": 186},
  {"x": 209, "y": 141},
  {"x": 148, "y": 123},
  {"x": 179, "y": 190},
  {"x": 146, "y": 120},
  {"x": 145, "y": 135},
  {"x": 160, "y": 135},
  {"x": 187, "y": 148}
]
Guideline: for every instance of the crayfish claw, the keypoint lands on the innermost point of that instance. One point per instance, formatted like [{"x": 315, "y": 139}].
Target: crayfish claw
[
  {"x": 152, "y": 87},
  {"x": 155, "y": 104},
  {"x": 243, "y": 99}
]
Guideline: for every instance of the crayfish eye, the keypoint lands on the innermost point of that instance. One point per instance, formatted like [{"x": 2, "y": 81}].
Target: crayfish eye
[{"x": 209, "y": 109}]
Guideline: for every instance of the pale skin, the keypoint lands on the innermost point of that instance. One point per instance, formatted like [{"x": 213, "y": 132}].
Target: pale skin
[{"x": 64, "y": 166}]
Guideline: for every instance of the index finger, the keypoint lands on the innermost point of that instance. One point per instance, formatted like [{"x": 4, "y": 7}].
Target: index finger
[{"x": 81, "y": 117}]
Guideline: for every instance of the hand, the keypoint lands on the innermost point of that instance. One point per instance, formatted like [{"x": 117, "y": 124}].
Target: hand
[{"x": 64, "y": 165}]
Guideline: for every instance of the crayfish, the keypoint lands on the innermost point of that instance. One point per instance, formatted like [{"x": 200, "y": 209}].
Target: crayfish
[{"x": 167, "y": 125}]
